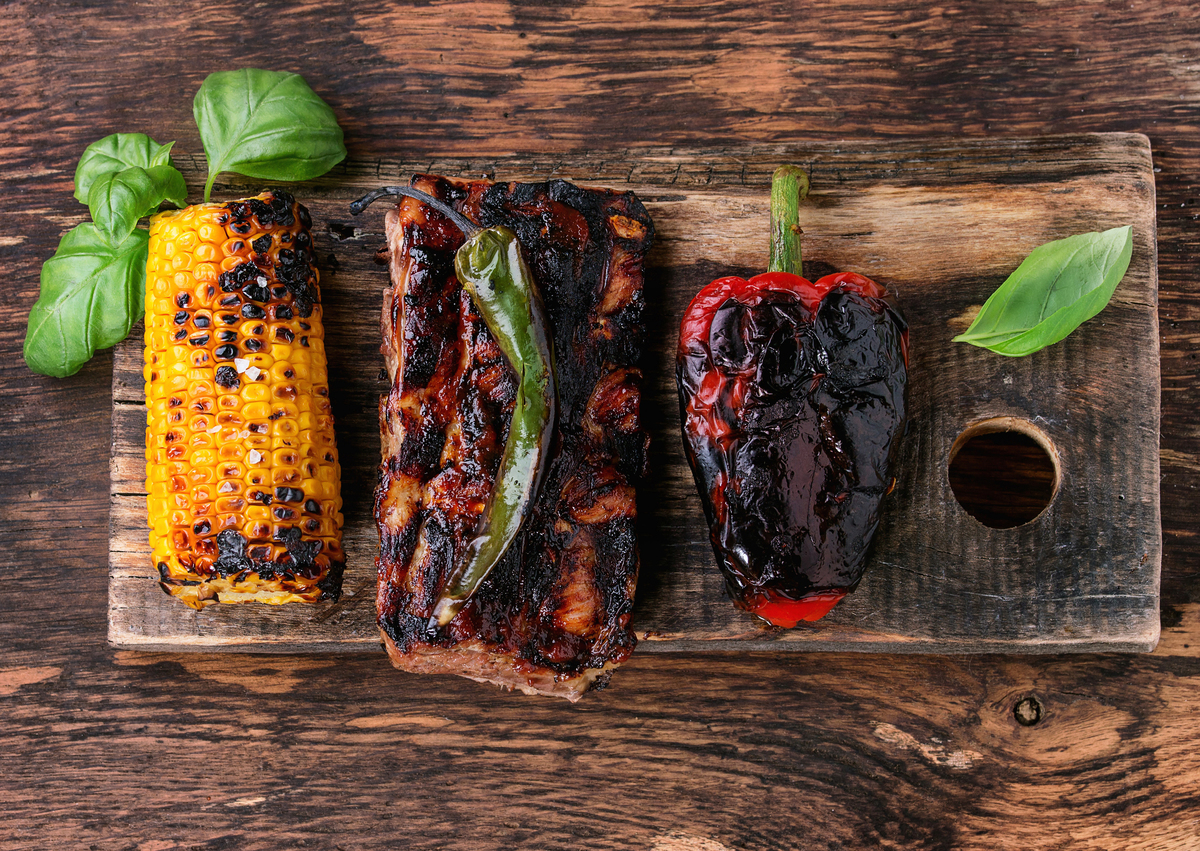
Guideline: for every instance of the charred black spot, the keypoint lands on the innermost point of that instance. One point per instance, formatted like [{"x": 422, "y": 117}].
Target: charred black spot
[
  {"x": 331, "y": 584},
  {"x": 275, "y": 207},
  {"x": 239, "y": 276},
  {"x": 256, "y": 292},
  {"x": 284, "y": 334},
  {"x": 181, "y": 317},
  {"x": 183, "y": 300},
  {"x": 311, "y": 507},
  {"x": 202, "y": 320},
  {"x": 201, "y": 340},
  {"x": 231, "y": 554},
  {"x": 225, "y": 352},
  {"x": 227, "y": 336},
  {"x": 286, "y": 494},
  {"x": 421, "y": 451},
  {"x": 227, "y": 377},
  {"x": 262, "y": 245},
  {"x": 294, "y": 270},
  {"x": 253, "y": 345},
  {"x": 303, "y": 553},
  {"x": 252, "y": 311}
]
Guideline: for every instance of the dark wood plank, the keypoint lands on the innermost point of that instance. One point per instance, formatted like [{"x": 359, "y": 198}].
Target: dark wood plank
[
  {"x": 1079, "y": 577},
  {"x": 758, "y": 751},
  {"x": 753, "y": 752}
]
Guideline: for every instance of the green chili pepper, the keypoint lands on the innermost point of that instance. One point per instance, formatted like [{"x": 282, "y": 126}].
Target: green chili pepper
[{"x": 490, "y": 267}]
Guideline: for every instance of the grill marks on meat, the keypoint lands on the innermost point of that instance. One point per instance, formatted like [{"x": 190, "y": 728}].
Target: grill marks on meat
[{"x": 553, "y": 615}]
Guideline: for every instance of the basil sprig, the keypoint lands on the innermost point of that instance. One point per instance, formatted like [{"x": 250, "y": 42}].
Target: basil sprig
[
  {"x": 1057, "y": 288},
  {"x": 119, "y": 199},
  {"x": 116, "y": 153},
  {"x": 92, "y": 293},
  {"x": 93, "y": 288},
  {"x": 265, "y": 124}
]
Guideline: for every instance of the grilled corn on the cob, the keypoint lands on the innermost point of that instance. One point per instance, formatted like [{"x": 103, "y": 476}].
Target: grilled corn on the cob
[{"x": 242, "y": 472}]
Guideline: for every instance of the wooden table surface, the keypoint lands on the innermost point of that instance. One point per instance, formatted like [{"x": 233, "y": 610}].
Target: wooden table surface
[{"x": 113, "y": 749}]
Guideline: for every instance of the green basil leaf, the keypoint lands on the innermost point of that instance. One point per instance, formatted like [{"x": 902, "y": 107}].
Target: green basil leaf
[
  {"x": 265, "y": 124},
  {"x": 91, "y": 294},
  {"x": 118, "y": 199},
  {"x": 117, "y": 153},
  {"x": 1057, "y": 288}
]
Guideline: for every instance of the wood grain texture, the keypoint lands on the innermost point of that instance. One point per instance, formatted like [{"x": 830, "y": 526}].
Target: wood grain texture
[
  {"x": 116, "y": 751},
  {"x": 940, "y": 223},
  {"x": 342, "y": 752}
]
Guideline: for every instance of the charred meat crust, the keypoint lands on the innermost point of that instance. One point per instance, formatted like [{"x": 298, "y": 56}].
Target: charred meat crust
[{"x": 553, "y": 616}]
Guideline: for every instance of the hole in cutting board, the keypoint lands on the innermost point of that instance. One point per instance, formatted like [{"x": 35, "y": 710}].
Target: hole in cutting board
[{"x": 1004, "y": 471}]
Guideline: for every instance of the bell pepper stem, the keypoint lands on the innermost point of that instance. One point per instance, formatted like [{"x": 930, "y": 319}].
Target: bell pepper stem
[{"x": 789, "y": 186}]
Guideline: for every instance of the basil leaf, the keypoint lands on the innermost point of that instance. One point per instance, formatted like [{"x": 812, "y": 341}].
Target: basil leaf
[
  {"x": 117, "y": 153},
  {"x": 265, "y": 124},
  {"x": 91, "y": 294},
  {"x": 1057, "y": 288},
  {"x": 118, "y": 199}
]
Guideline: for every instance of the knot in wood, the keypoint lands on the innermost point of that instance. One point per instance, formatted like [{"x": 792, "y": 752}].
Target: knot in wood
[{"x": 1028, "y": 711}]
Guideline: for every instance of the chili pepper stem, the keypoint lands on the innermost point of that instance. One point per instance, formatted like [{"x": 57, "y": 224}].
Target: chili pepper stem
[
  {"x": 468, "y": 227},
  {"x": 789, "y": 186}
]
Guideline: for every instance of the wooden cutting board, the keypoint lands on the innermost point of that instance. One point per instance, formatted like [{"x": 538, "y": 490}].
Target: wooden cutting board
[{"x": 942, "y": 223}]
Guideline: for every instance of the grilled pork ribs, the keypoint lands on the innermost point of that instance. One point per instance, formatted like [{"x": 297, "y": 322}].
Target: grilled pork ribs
[{"x": 553, "y": 616}]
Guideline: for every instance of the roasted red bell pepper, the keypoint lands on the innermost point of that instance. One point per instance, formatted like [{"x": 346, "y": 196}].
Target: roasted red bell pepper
[{"x": 792, "y": 399}]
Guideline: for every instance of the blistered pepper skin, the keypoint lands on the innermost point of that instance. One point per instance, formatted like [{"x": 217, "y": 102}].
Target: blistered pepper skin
[{"x": 792, "y": 397}]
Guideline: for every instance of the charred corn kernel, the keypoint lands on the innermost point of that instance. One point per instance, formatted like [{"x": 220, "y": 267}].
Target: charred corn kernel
[{"x": 237, "y": 403}]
